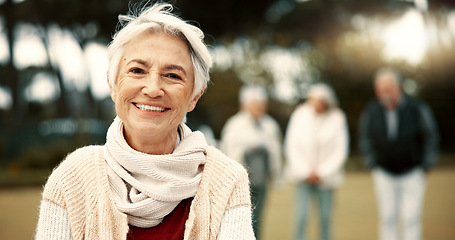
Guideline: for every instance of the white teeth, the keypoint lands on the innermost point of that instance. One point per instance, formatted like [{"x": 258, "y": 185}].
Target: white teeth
[{"x": 150, "y": 108}]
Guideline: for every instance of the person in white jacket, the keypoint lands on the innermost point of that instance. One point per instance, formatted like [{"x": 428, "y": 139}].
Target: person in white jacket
[
  {"x": 254, "y": 139},
  {"x": 316, "y": 146}
]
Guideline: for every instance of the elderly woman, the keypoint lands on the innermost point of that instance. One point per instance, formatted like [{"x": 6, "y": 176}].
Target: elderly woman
[
  {"x": 316, "y": 146},
  {"x": 154, "y": 178},
  {"x": 253, "y": 138}
]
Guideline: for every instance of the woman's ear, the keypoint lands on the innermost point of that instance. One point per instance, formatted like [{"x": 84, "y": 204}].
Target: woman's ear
[
  {"x": 111, "y": 87},
  {"x": 194, "y": 101}
]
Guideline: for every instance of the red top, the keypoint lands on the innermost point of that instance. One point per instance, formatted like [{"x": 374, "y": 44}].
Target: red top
[{"x": 171, "y": 228}]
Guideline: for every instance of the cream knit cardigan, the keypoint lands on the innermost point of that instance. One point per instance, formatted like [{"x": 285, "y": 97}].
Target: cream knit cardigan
[{"x": 80, "y": 186}]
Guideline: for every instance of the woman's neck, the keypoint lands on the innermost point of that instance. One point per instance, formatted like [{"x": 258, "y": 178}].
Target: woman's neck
[{"x": 155, "y": 145}]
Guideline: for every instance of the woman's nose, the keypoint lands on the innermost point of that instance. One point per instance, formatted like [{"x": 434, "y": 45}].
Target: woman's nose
[{"x": 153, "y": 86}]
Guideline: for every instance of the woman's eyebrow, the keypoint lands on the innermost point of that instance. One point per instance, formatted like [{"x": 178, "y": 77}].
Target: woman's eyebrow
[
  {"x": 175, "y": 67},
  {"x": 138, "y": 61}
]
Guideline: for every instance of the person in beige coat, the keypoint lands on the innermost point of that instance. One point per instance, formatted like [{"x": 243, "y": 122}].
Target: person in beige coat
[{"x": 154, "y": 178}]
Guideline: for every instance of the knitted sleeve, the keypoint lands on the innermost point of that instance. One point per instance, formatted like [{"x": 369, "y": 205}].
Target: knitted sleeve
[
  {"x": 236, "y": 220},
  {"x": 222, "y": 201},
  {"x": 78, "y": 191},
  {"x": 236, "y": 224},
  {"x": 53, "y": 222}
]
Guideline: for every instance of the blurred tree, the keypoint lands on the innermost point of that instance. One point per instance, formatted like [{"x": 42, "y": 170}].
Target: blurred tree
[
  {"x": 11, "y": 73},
  {"x": 321, "y": 32}
]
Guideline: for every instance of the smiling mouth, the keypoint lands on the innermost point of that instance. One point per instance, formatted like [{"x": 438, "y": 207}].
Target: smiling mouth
[{"x": 150, "y": 108}]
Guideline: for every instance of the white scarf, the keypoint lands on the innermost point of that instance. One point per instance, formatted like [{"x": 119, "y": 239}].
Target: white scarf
[{"x": 148, "y": 187}]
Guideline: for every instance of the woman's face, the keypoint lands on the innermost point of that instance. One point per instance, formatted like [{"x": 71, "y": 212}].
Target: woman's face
[
  {"x": 319, "y": 105},
  {"x": 154, "y": 87},
  {"x": 257, "y": 108}
]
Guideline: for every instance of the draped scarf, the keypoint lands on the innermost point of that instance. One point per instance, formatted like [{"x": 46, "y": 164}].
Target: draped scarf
[{"x": 148, "y": 187}]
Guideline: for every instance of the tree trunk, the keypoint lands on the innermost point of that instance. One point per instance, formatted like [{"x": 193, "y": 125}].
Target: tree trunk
[{"x": 11, "y": 78}]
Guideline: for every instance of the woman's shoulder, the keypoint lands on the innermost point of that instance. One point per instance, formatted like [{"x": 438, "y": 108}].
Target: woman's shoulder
[
  {"x": 81, "y": 158},
  {"x": 338, "y": 113},
  {"x": 302, "y": 109},
  {"x": 220, "y": 164},
  {"x": 269, "y": 120},
  {"x": 78, "y": 168},
  {"x": 240, "y": 118},
  {"x": 224, "y": 180}
]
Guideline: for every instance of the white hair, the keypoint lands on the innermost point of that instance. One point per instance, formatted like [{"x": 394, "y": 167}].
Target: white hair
[
  {"x": 325, "y": 93},
  {"x": 251, "y": 93},
  {"x": 388, "y": 71},
  {"x": 158, "y": 17}
]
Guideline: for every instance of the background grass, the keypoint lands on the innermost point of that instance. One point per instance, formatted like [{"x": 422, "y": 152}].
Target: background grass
[{"x": 355, "y": 215}]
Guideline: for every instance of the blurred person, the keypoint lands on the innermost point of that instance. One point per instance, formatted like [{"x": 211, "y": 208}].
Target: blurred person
[
  {"x": 253, "y": 138},
  {"x": 154, "y": 178},
  {"x": 316, "y": 147},
  {"x": 399, "y": 138}
]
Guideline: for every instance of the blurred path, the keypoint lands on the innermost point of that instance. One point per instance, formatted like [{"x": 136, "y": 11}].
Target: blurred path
[
  {"x": 19, "y": 212},
  {"x": 355, "y": 210},
  {"x": 355, "y": 216}
]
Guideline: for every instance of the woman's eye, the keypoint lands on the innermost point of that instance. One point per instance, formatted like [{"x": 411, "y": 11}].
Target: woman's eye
[
  {"x": 173, "y": 75},
  {"x": 137, "y": 71}
]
